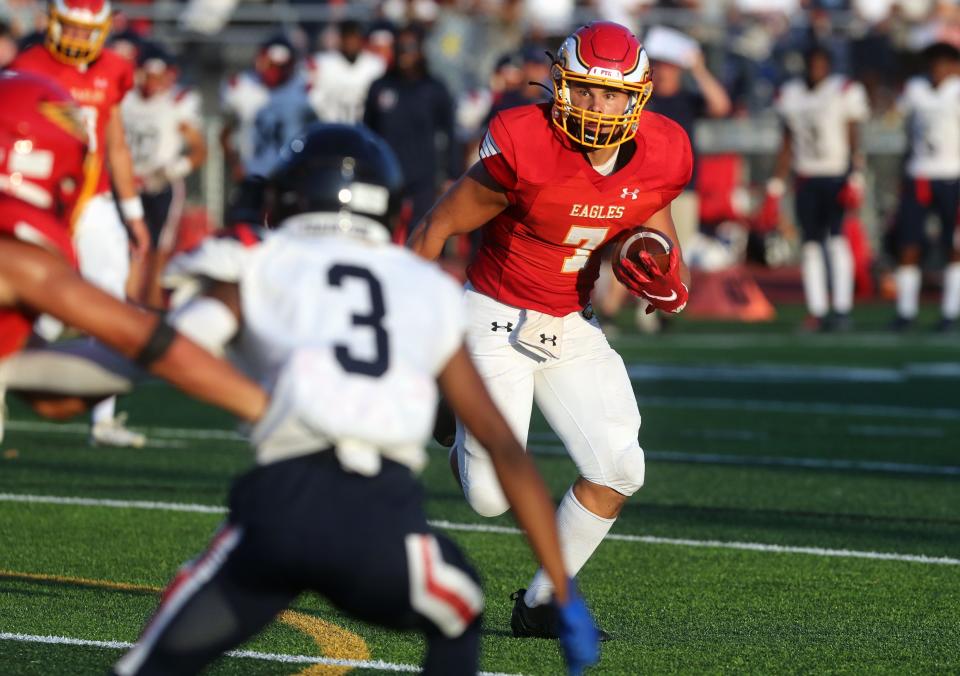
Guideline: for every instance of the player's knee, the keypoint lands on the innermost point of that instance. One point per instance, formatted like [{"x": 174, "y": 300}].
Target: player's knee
[
  {"x": 629, "y": 471},
  {"x": 486, "y": 500}
]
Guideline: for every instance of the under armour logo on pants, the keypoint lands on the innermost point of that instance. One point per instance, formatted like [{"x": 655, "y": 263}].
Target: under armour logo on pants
[
  {"x": 544, "y": 339},
  {"x": 508, "y": 327}
]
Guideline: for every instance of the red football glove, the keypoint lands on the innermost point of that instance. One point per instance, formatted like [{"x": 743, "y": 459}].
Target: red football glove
[{"x": 663, "y": 290}]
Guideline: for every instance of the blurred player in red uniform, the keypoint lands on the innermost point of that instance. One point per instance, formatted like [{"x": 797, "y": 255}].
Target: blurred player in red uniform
[
  {"x": 554, "y": 183},
  {"x": 43, "y": 177},
  {"x": 73, "y": 56}
]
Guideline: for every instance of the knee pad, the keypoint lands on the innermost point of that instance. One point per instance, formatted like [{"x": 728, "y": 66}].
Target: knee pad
[{"x": 630, "y": 469}]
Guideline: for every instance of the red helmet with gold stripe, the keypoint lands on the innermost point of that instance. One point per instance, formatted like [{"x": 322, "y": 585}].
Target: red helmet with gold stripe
[
  {"x": 76, "y": 29},
  {"x": 601, "y": 54}
]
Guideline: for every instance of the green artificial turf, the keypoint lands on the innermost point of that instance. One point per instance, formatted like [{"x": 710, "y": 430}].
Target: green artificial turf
[{"x": 883, "y": 450}]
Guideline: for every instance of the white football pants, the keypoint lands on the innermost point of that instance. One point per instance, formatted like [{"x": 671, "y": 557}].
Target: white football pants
[
  {"x": 585, "y": 395},
  {"x": 102, "y": 244}
]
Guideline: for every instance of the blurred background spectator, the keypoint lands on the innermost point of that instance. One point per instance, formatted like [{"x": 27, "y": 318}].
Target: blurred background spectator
[
  {"x": 341, "y": 77},
  {"x": 427, "y": 74},
  {"x": 413, "y": 112}
]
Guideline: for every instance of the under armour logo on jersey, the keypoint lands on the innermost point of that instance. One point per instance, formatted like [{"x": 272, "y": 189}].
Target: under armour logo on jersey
[
  {"x": 626, "y": 192},
  {"x": 544, "y": 339},
  {"x": 508, "y": 327}
]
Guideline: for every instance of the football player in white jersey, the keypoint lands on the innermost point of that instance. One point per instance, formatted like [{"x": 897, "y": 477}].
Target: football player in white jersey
[
  {"x": 264, "y": 109},
  {"x": 340, "y": 78},
  {"x": 351, "y": 334},
  {"x": 821, "y": 114},
  {"x": 931, "y": 182},
  {"x": 164, "y": 129}
]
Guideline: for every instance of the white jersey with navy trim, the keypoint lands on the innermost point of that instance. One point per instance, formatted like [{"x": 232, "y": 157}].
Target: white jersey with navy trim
[
  {"x": 152, "y": 126},
  {"x": 933, "y": 127},
  {"x": 818, "y": 119},
  {"x": 338, "y": 87},
  {"x": 347, "y": 332}
]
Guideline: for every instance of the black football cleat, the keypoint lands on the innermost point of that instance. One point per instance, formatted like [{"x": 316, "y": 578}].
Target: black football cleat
[
  {"x": 946, "y": 325},
  {"x": 901, "y": 324},
  {"x": 538, "y": 622},
  {"x": 840, "y": 323}
]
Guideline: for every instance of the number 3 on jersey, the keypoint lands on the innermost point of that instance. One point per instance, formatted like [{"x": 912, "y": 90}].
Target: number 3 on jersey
[
  {"x": 585, "y": 240},
  {"x": 377, "y": 365}
]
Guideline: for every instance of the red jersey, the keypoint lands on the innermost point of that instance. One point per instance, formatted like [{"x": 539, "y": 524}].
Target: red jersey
[
  {"x": 539, "y": 253},
  {"x": 19, "y": 220},
  {"x": 97, "y": 89}
]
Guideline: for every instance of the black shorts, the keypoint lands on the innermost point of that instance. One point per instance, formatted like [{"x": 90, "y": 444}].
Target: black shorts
[
  {"x": 306, "y": 524},
  {"x": 319, "y": 527},
  {"x": 818, "y": 207},
  {"x": 920, "y": 197},
  {"x": 162, "y": 212}
]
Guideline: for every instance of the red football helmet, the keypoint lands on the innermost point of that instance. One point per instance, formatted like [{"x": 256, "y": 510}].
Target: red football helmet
[
  {"x": 43, "y": 146},
  {"x": 76, "y": 30},
  {"x": 601, "y": 54}
]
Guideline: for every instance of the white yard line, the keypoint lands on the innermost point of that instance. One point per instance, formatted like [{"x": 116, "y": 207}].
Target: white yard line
[
  {"x": 721, "y": 544},
  {"x": 765, "y": 373},
  {"x": 828, "y": 464},
  {"x": 378, "y": 665},
  {"x": 726, "y": 341},
  {"x": 506, "y": 530},
  {"x": 801, "y": 407}
]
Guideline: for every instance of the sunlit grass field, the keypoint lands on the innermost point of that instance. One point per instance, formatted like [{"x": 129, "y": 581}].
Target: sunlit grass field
[{"x": 801, "y": 514}]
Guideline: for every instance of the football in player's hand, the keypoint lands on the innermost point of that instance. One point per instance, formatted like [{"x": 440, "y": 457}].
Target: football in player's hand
[{"x": 632, "y": 243}]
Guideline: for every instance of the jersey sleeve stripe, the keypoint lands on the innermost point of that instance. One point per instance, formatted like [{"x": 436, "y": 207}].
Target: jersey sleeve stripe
[{"x": 489, "y": 147}]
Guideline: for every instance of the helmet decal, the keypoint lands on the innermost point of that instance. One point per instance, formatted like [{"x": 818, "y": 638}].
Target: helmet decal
[{"x": 601, "y": 54}]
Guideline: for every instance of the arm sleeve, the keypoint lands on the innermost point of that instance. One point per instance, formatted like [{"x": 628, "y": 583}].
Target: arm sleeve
[{"x": 498, "y": 154}]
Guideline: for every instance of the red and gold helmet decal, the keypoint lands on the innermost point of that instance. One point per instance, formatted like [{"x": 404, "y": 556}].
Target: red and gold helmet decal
[{"x": 601, "y": 54}]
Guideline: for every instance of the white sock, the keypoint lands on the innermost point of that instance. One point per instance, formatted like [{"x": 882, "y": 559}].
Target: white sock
[
  {"x": 908, "y": 290},
  {"x": 581, "y": 532},
  {"x": 950, "y": 303},
  {"x": 814, "y": 269},
  {"x": 841, "y": 269},
  {"x": 105, "y": 410}
]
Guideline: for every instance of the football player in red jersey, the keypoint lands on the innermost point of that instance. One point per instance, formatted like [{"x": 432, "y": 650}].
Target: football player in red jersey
[
  {"x": 73, "y": 56},
  {"x": 44, "y": 174},
  {"x": 554, "y": 183}
]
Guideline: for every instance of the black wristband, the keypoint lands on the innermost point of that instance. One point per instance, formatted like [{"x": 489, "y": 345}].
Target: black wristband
[{"x": 157, "y": 344}]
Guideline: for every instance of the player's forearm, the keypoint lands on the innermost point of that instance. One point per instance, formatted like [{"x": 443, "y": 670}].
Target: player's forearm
[
  {"x": 44, "y": 283},
  {"x": 714, "y": 93},
  {"x": 121, "y": 171},
  {"x": 196, "y": 145},
  {"x": 193, "y": 370},
  {"x": 427, "y": 238},
  {"x": 857, "y": 160},
  {"x": 781, "y": 167}
]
